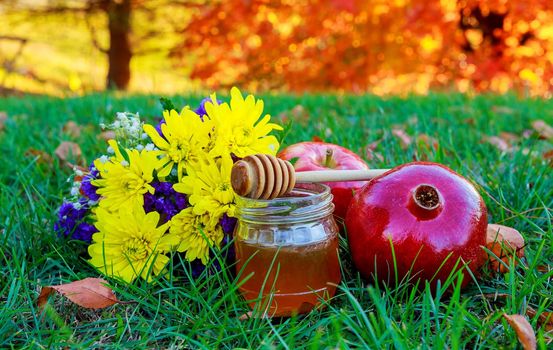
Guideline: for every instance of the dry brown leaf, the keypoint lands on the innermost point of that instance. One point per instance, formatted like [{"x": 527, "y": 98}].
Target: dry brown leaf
[
  {"x": 498, "y": 142},
  {"x": 523, "y": 329},
  {"x": 245, "y": 316},
  {"x": 428, "y": 141},
  {"x": 68, "y": 151},
  {"x": 469, "y": 121},
  {"x": 545, "y": 319},
  {"x": 404, "y": 139},
  {"x": 543, "y": 129},
  {"x": 425, "y": 145},
  {"x": 250, "y": 314},
  {"x": 42, "y": 157},
  {"x": 72, "y": 129},
  {"x": 496, "y": 295},
  {"x": 3, "y": 118},
  {"x": 107, "y": 135},
  {"x": 542, "y": 268},
  {"x": 526, "y": 134},
  {"x": 90, "y": 293},
  {"x": 317, "y": 139},
  {"x": 504, "y": 242},
  {"x": 509, "y": 137},
  {"x": 548, "y": 155},
  {"x": 371, "y": 155},
  {"x": 369, "y": 151}
]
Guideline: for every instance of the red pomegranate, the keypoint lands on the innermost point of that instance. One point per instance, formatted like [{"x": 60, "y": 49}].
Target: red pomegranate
[{"x": 431, "y": 215}]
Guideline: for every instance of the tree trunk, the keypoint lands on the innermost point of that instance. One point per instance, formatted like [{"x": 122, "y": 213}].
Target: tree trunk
[{"x": 119, "y": 52}]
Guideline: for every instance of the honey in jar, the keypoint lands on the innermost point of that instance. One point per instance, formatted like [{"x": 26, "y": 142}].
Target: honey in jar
[{"x": 287, "y": 251}]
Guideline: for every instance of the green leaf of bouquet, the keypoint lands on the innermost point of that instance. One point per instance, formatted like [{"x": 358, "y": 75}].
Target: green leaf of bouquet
[{"x": 166, "y": 103}]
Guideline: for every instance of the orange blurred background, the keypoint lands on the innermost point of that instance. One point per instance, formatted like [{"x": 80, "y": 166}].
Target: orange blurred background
[{"x": 381, "y": 46}]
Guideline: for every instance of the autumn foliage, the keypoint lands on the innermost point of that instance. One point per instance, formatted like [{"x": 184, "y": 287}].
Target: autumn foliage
[{"x": 382, "y": 46}]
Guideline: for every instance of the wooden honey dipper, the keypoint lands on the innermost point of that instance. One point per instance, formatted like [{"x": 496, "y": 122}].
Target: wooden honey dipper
[{"x": 263, "y": 176}]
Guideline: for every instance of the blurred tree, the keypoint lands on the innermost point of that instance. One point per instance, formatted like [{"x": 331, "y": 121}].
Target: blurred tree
[
  {"x": 380, "y": 46},
  {"x": 125, "y": 39}
]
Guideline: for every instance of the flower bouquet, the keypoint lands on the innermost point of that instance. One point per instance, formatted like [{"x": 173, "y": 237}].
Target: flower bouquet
[{"x": 165, "y": 189}]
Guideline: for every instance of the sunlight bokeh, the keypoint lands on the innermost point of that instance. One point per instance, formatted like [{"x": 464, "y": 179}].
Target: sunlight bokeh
[{"x": 381, "y": 47}]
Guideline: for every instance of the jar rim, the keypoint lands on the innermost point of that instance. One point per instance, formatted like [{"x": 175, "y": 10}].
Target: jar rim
[
  {"x": 306, "y": 202},
  {"x": 324, "y": 190}
]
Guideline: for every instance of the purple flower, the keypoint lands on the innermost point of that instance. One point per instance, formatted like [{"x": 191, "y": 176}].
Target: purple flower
[
  {"x": 88, "y": 188},
  {"x": 84, "y": 232},
  {"x": 158, "y": 127},
  {"x": 70, "y": 221},
  {"x": 227, "y": 223},
  {"x": 165, "y": 200},
  {"x": 201, "y": 109}
]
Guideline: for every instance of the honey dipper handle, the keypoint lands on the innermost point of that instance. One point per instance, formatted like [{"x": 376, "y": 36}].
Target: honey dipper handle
[{"x": 338, "y": 175}]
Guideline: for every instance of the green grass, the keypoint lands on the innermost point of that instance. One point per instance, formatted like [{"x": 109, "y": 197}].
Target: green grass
[{"x": 517, "y": 188}]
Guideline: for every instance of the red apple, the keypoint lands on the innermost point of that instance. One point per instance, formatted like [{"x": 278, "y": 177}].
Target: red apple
[
  {"x": 431, "y": 215},
  {"x": 323, "y": 156}
]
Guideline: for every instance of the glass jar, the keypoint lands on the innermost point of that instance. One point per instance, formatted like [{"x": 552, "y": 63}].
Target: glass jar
[{"x": 287, "y": 250}]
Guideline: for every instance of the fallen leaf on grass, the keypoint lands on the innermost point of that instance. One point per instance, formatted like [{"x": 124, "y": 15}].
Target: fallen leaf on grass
[
  {"x": 469, "y": 121},
  {"x": 107, "y": 135},
  {"x": 317, "y": 139},
  {"x": 425, "y": 145},
  {"x": 526, "y": 134},
  {"x": 369, "y": 151},
  {"x": 509, "y": 137},
  {"x": 3, "y": 118},
  {"x": 298, "y": 114},
  {"x": 67, "y": 151},
  {"x": 72, "y": 129},
  {"x": 523, "y": 329},
  {"x": 250, "y": 314},
  {"x": 41, "y": 156},
  {"x": 498, "y": 142},
  {"x": 504, "y": 242},
  {"x": 90, "y": 293},
  {"x": 545, "y": 319},
  {"x": 544, "y": 130},
  {"x": 404, "y": 139},
  {"x": 496, "y": 295},
  {"x": 548, "y": 155}
]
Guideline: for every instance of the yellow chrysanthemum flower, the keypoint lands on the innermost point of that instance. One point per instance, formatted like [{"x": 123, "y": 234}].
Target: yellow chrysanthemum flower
[
  {"x": 122, "y": 181},
  {"x": 208, "y": 187},
  {"x": 130, "y": 243},
  {"x": 196, "y": 233},
  {"x": 238, "y": 128},
  {"x": 184, "y": 140}
]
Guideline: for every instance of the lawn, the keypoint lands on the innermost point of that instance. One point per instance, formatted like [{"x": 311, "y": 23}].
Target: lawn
[{"x": 516, "y": 185}]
